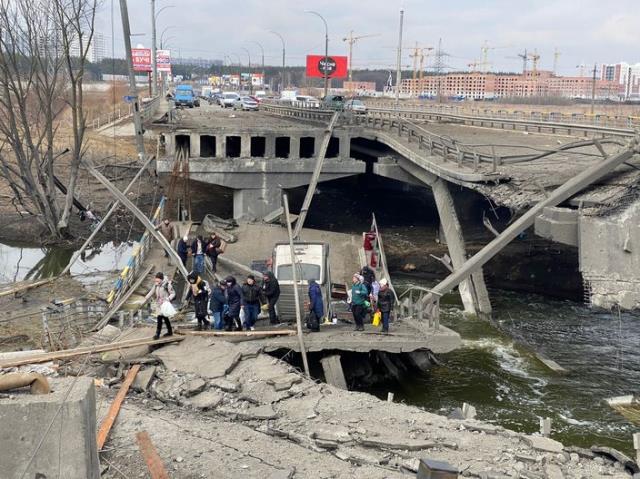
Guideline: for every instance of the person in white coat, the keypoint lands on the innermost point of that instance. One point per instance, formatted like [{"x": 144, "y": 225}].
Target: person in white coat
[{"x": 162, "y": 293}]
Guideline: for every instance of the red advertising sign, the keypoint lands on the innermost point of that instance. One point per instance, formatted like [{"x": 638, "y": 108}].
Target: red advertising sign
[
  {"x": 333, "y": 66},
  {"x": 141, "y": 59}
]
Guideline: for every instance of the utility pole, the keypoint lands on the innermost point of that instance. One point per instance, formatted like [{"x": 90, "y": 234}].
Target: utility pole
[
  {"x": 593, "y": 87},
  {"x": 133, "y": 92},
  {"x": 399, "y": 59},
  {"x": 154, "y": 53},
  {"x": 283, "y": 59}
]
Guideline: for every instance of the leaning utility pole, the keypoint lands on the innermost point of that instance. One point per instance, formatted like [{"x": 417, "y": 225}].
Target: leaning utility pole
[
  {"x": 133, "y": 93},
  {"x": 399, "y": 59},
  {"x": 154, "y": 52}
]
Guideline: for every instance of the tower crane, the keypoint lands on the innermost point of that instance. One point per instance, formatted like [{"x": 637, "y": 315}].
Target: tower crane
[
  {"x": 352, "y": 40},
  {"x": 535, "y": 58},
  {"x": 525, "y": 60},
  {"x": 485, "y": 63}
]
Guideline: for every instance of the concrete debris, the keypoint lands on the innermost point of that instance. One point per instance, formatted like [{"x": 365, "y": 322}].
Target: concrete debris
[
  {"x": 397, "y": 443},
  {"x": 286, "y": 474},
  {"x": 456, "y": 414},
  {"x": 205, "y": 400},
  {"x": 553, "y": 471},
  {"x": 610, "y": 453},
  {"x": 260, "y": 413},
  {"x": 543, "y": 443},
  {"x": 284, "y": 383},
  {"x": 194, "y": 387},
  {"x": 143, "y": 379},
  {"x": 468, "y": 411},
  {"x": 580, "y": 451},
  {"x": 221, "y": 356},
  {"x": 225, "y": 385}
]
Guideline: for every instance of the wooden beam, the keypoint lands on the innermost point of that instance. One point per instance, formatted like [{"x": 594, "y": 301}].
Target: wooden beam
[
  {"x": 71, "y": 353},
  {"x": 255, "y": 334},
  {"x": 114, "y": 409},
  {"x": 114, "y": 309},
  {"x": 25, "y": 286},
  {"x": 139, "y": 215},
  {"x": 151, "y": 457}
]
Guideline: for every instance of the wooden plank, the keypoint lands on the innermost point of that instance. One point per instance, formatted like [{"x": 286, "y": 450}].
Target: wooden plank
[
  {"x": 70, "y": 353},
  {"x": 284, "y": 332},
  {"x": 25, "y": 286},
  {"x": 114, "y": 409},
  {"x": 123, "y": 299},
  {"x": 151, "y": 457}
]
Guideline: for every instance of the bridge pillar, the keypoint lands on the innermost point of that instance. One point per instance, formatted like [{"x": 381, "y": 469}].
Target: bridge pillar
[
  {"x": 245, "y": 146},
  {"x": 194, "y": 145},
  {"x": 270, "y": 146},
  {"x": 345, "y": 145},
  {"x": 473, "y": 291},
  {"x": 221, "y": 146},
  {"x": 256, "y": 203},
  {"x": 294, "y": 147},
  {"x": 170, "y": 144}
]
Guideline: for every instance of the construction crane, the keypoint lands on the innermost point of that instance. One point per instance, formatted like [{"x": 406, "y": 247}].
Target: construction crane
[
  {"x": 418, "y": 56},
  {"x": 556, "y": 57},
  {"x": 352, "y": 40},
  {"x": 485, "y": 63},
  {"x": 581, "y": 68},
  {"x": 535, "y": 58},
  {"x": 525, "y": 60},
  {"x": 422, "y": 57}
]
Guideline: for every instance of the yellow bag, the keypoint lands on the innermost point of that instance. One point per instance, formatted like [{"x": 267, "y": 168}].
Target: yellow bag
[{"x": 377, "y": 318}]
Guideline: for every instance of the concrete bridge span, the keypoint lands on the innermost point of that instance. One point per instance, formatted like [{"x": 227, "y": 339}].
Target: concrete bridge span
[{"x": 259, "y": 154}]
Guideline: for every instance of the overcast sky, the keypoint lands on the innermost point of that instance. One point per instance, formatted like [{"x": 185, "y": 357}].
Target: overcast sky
[{"x": 584, "y": 31}]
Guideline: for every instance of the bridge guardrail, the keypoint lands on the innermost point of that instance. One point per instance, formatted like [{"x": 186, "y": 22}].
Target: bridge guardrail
[
  {"x": 504, "y": 123},
  {"x": 306, "y": 113}
]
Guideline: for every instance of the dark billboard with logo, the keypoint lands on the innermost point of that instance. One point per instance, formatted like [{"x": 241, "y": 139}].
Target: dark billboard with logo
[{"x": 335, "y": 66}]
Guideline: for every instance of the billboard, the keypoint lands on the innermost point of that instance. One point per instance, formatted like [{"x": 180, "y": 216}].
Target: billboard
[
  {"x": 334, "y": 66},
  {"x": 141, "y": 59},
  {"x": 163, "y": 59}
]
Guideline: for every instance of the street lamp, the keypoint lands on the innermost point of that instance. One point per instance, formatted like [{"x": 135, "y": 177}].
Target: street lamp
[
  {"x": 283, "y": 58},
  {"x": 164, "y": 43},
  {"x": 262, "y": 51},
  {"x": 165, "y": 31},
  {"x": 326, "y": 51},
  {"x": 250, "y": 80},
  {"x": 164, "y": 8}
]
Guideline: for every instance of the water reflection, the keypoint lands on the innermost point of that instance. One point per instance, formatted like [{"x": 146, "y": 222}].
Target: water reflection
[{"x": 20, "y": 262}]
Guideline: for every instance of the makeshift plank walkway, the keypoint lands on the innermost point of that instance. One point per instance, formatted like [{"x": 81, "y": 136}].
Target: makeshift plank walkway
[
  {"x": 255, "y": 334},
  {"x": 114, "y": 409},
  {"x": 70, "y": 353}
]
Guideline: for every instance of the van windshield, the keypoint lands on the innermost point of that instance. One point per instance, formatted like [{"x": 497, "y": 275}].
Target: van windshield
[{"x": 306, "y": 271}]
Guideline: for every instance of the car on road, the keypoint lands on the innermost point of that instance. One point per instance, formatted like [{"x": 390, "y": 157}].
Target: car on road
[
  {"x": 227, "y": 99},
  {"x": 184, "y": 96},
  {"x": 333, "y": 102},
  {"x": 305, "y": 101},
  {"x": 245, "y": 103},
  {"x": 356, "y": 106}
]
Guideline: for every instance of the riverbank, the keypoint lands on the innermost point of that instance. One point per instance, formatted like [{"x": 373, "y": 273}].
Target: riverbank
[{"x": 210, "y": 406}]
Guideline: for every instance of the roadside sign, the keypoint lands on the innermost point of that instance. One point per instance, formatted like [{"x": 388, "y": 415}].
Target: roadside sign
[
  {"x": 163, "y": 60},
  {"x": 333, "y": 66},
  {"x": 141, "y": 59},
  {"x": 129, "y": 99}
]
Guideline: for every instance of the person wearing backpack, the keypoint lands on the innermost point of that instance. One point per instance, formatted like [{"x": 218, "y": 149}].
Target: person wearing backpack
[
  {"x": 199, "y": 291},
  {"x": 217, "y": 304},
  {"x": 162, "y": 293}
]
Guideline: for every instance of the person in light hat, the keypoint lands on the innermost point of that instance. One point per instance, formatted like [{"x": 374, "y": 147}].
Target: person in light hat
[
  {"x": 359, "y": 303},
  {"x": 386, "y": 301},
  {"x": 183, "y": 249}
]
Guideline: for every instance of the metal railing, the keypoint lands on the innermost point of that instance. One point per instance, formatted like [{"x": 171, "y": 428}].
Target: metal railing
[
  {"x": 411, "y": 304},
  {"x": 301, "y": 112},
  {"x": 596, "y": 119},
  {"x": 147, "y": 110},
  {"x": 129, "y": 273}
]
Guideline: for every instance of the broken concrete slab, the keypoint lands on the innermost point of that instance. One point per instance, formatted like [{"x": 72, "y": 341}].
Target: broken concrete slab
[
  {"x": 397, "y": 443},
  {"x": 196, "y": 355},
  {"x": 71, "y": 410},
  {"x": 205, "y": 400},
  {"x": 580, "y": 451},
  {"x": 543, "y": 443},
  {"x": 260, "y": 413},
  {"x": 225, "y": 385},
  {"x": 553, "y": 471},
  {"x": 615, "y": 455},
  {"x": 143, "y": 379},
  {"x": 283, "y": 383},
  {"x": 194, "y": 387},
  {"x": 130, "y": 353}
]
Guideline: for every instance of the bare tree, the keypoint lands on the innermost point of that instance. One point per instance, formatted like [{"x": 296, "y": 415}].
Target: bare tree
[{"x": 44, "y": 46}]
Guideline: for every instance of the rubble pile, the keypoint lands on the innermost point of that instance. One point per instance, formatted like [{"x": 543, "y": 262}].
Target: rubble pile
[{"x": 220, "y": 409}]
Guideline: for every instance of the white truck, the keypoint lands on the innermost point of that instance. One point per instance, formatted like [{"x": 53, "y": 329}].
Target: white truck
[{"x": 312, "y": 262}]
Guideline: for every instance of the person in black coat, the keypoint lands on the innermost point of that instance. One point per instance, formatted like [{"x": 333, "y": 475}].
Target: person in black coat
[
  {"x": 369, "y": 277},
  {"x": 271, "y": 292},
  {"x": 251, "y": 293},
  {"x": 213, "y": 249},
  {"x": 199, "y": 291},
  {"x": 386, "y": 301},
  {"x": 234, "y": 301},
  {"x": 183, "y": 249},
  {"x": 217, "y": 304}
]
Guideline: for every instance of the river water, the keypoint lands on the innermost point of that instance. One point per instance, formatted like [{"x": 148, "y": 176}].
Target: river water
[{"x": 496, "y": 370}]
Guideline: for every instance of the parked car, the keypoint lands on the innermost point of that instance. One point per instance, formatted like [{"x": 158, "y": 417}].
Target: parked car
[
  {"x": 356, "y": 106},
  {"x": 184, "y": 96},
  {"x": 227, "y": 99},
  {"x": 245, "y": 103},
  {"x": 333, "y": 102}
]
